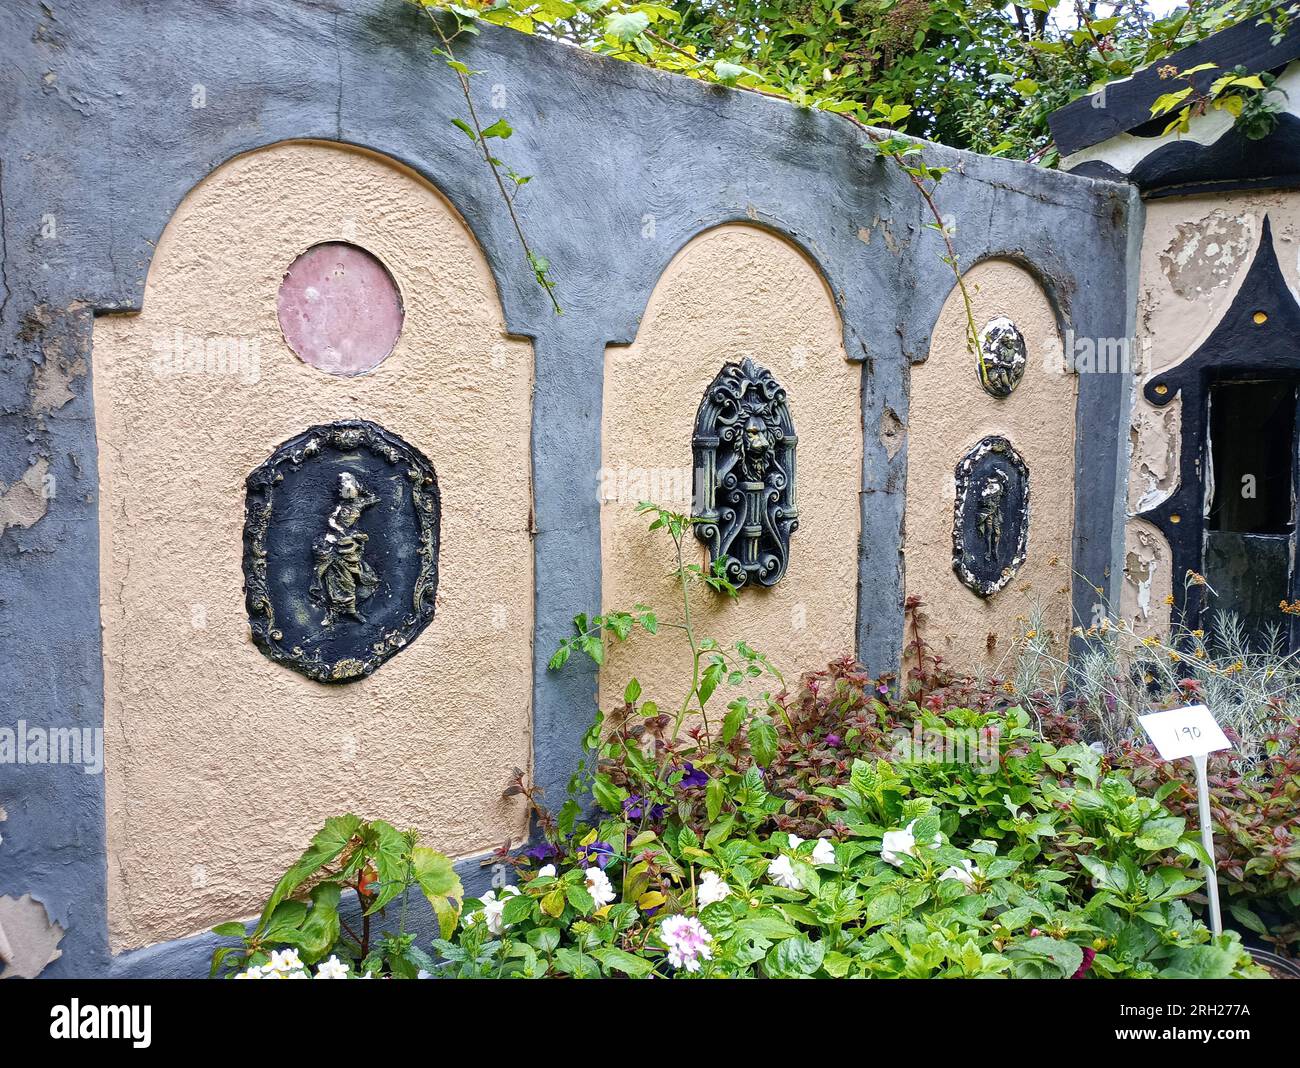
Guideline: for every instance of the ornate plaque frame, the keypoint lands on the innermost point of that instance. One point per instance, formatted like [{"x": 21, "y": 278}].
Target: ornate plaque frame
[
  {"x": 315, "y": 603},
  {"x": 992, "y": 490},
  {"x": 744, "y": 452}
]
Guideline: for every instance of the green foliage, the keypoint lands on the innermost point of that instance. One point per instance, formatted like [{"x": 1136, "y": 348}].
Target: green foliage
[
  {"x": 967, "y": 73},
  {"x": 301, "y": 923},
  {"x": 1084, "y": 877},
  {"x": 941, "y": 841}
]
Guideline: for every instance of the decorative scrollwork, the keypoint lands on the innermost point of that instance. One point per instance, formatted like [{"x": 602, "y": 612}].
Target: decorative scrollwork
[
  {"x": 744, "y": 451},
  {"x": 990, "y": 527},
  {"x": 341, "y": 537}
]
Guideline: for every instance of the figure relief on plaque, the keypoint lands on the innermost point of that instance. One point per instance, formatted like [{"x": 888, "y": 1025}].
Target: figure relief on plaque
[{"x": 342, "y": 578}]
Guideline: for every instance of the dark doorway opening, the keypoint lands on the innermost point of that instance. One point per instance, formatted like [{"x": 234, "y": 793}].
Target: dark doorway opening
[{"x": 1250, "y": 513}]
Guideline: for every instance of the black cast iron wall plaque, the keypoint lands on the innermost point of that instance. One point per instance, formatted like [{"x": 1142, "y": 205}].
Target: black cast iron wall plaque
[
  {"x": 744, "y": 445},
  {"x": 340, "y": 549},
  {"x": 990, "y": 528}
]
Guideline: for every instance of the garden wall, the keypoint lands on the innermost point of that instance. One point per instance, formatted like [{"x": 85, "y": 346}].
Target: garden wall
[{"x": 685, "y": 226}]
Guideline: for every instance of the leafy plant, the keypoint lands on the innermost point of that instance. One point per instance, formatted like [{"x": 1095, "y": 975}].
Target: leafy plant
[{"x": 380, "y": 864}]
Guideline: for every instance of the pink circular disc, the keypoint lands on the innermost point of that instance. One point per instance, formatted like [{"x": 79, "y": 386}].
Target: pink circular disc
[{"x": 340, "y": 309}]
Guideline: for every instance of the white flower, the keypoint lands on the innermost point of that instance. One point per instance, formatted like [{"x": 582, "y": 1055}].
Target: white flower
[
  {"x": 823, "y": 852},
  {"x": 963, "y": 874},
  {"x": 795, "y": 841},
  {"x": 422, "y": 974},
  {"x": 285, "y": 964},
  {"x": 781, "y": 872},
  {"x": 712, "y": 888},
  {"x": 598, "y": 886},
  {"x": 687, "y": 941},
  {"x": 332, "y": 969},
  {"x": 546, "y": 872},
  {"x": 899, "y": 844},
  {"x": 493, "y": 907}
]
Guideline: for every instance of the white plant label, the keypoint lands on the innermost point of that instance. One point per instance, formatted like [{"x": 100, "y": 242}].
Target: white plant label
[{"x": 1190, "y": 731}]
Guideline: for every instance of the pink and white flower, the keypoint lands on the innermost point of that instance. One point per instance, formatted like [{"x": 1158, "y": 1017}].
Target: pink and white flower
[{"x": 688, "y": 942}]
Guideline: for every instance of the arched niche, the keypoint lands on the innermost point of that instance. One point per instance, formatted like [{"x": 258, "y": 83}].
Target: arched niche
[
  {"x": 950, "y": 414},
  {"x": 732, "y": 292},
  {"x": 221, "y": 763}
]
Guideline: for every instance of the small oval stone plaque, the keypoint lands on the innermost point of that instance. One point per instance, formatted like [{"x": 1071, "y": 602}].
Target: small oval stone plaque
[
  {"x": 341, "y": 550},
  {"x": 1002, "y": 357}
]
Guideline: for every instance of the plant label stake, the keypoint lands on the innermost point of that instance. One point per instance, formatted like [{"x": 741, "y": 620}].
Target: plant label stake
[{"x": 1192, "y": 731}]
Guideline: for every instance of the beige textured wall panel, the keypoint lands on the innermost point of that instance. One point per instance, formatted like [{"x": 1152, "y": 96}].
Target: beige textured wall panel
[
  {"x": 220, "y": 763},
  {"x": 949, "y": 414},
  {"x": 1195, "y": 254},
  {"x": 732, "y": 292}
]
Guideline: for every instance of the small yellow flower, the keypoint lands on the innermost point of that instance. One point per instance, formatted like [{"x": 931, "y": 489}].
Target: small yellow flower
[
  {"x": 1169, "y": 598},
  {"x": 1031, "y": 634},
  {"x": 1175, "y": 658}
]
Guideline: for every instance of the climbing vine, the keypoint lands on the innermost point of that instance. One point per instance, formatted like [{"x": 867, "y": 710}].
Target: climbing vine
[{"x": 976, "y": 74}]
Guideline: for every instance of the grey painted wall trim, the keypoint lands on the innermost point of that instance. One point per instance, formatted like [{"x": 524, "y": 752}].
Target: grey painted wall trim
[{"x": 99, "y": 138}]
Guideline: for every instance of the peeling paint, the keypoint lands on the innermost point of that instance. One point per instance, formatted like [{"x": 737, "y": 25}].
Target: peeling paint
[
  {"x": 1147, "y": 580},
  {"x": 30, "y": 937},
  {"x": 63, "y": 355},
  {"x": 1154, "y": 436},
  {"x": 866, "y": 233},
  {"x": 1205, "y": 254},
  {"x": 891, "y": 431},
  {"x": 25, "y": 503},
  {"x": 51, "y": 386}
]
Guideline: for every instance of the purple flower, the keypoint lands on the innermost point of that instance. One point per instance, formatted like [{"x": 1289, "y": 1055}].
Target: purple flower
[
  {"x": 600, "y": 854},
  {"x": 634, "y": 808},
  {"x": 693, "y": 778},
  {"x": 834, "y": 741},
  {"x": 542, "y": 852}
]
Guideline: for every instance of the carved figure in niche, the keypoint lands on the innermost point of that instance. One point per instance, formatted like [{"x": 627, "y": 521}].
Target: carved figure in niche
[
  {"x": 343, "y": 578},
  {"x": 744, "y": 447},
  {"x": 989, "y": 523},
  {"x": 1002, "y": 357}
]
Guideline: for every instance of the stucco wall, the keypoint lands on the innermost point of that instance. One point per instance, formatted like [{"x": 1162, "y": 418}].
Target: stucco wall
[
  {"x": 221, "y": 763},
  {"x": 950, "y": 412},
  {"x": 1195, "y": 253},
  {"x": 735, "y": 291},
  {"x": 106, "y": 142}
]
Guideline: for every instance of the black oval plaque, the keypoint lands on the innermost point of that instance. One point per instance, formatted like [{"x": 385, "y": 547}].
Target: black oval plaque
[
  {"x": 990, "y": 529},
  {"x": 340, "y": 550}
]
